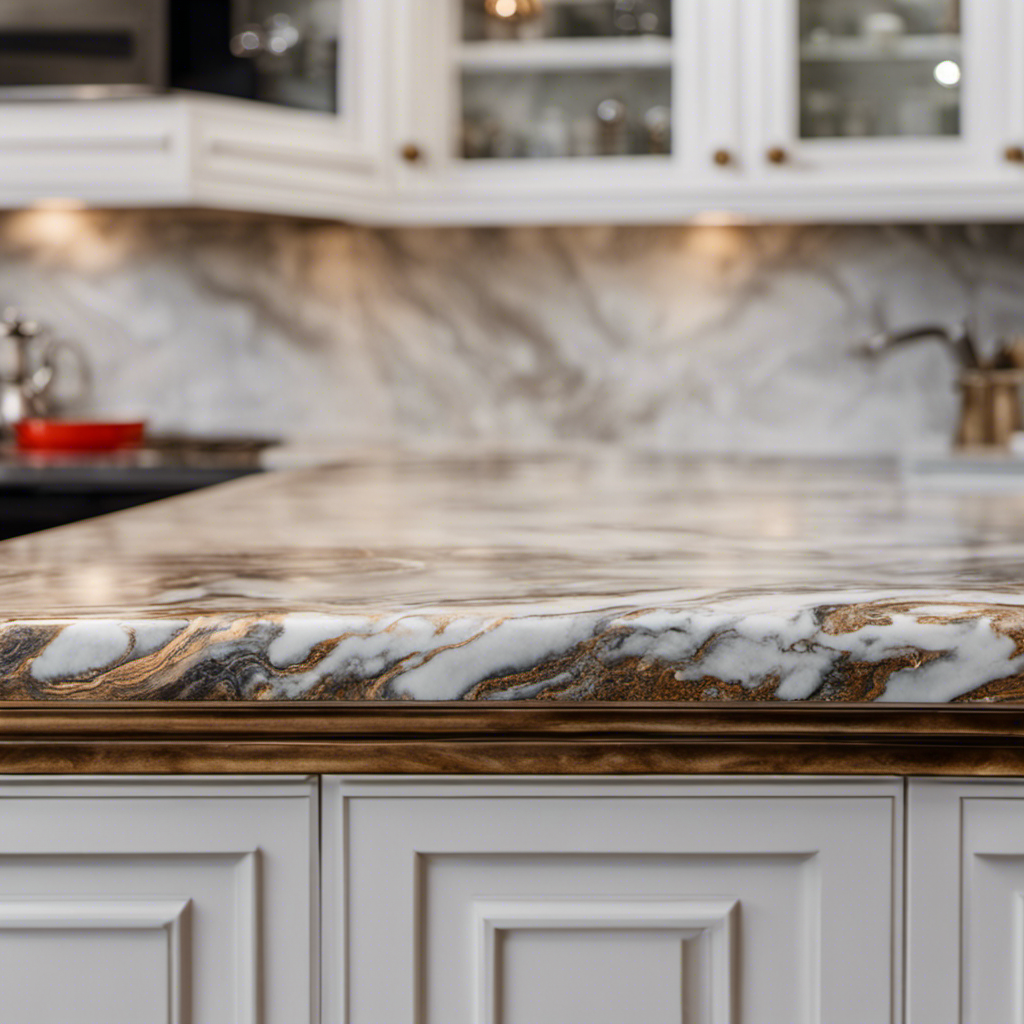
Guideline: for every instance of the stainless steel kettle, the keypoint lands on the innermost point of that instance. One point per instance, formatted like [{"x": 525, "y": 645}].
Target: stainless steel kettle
[{"x": 27, "y": 389}]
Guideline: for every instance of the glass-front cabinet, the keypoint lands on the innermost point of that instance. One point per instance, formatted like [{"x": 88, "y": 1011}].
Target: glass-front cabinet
[
  {"x": 780, "y": 108},
  {"x": 546, "y": 111},
  {"x": 311, "y": 132},
  {"x": 284, "y": 52},
  {"x": 870, "y": 71},
  {"x": 548, "y": 95},
  {"x": 564, "y": 80},
  {"x": 293, "y": 50},
  {"x": 847, "y": 84}
]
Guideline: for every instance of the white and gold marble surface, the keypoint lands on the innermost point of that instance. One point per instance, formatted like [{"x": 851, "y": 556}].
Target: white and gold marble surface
[
  {"x": 685, "y": 339},
  {"x": 591, "y": 576}
]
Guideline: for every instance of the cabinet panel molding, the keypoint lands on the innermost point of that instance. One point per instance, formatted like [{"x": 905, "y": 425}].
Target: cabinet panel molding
[
  {"x": 61, "y": 916},
  {"x": 92, "y": 871},
  {"x": 965, "y": 902},
  {"x": 499, "y": 899},
  {"x": 711, "y": 923}
]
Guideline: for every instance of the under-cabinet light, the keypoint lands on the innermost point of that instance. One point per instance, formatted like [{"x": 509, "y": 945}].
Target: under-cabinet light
[{"x": 58, "y": 203}]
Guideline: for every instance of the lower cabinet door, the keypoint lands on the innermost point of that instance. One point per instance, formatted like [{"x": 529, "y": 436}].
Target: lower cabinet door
[
  {"x": 545, "y": 901},
  {"x": 965, "y": 902},
  {"x": 158, "y": 901}
]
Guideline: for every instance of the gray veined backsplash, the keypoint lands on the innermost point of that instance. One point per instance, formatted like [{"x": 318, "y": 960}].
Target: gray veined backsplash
[{"x": 707, "y": 339}]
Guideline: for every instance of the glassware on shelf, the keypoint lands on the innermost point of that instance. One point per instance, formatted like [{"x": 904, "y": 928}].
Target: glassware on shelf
[
  {"x": 658, "y": 128},
  {"x": 918, "y": 114},
  {"x": 640, "y": 17},
  {"x": 860, "y": 119},
  {"x": 883, "y": 29},
  {"x": 507, "y": 19},
  {"x": 584, "y": 137},
  {"x": 565, "y": 78},
  {"x": 292, "y": 49},
  {"x": 822, "y": 113},
  {"x": 283, "y": 52},
  {"x": 566, "y": 114},
  {"x": 565, "y": 19},
  {"x": 551, "y": 135},
  {"x": 612, "y": 127}
]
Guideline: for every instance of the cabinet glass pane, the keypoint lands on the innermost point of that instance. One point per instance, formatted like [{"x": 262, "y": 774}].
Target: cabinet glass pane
[
  {"x": 277, "y": 51},
  {"x": 565, "y": 78},
  {"x": 882, "y": 69},
  {"x": 291, "y": 48}
]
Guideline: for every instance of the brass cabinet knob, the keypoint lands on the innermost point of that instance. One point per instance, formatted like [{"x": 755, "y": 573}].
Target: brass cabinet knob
[
  {"x": 411, "y": 153},
  {"x": 723, "y": 158},
  {"x": 1014, "y": 154},
  {"x": 777, "y": 155}
]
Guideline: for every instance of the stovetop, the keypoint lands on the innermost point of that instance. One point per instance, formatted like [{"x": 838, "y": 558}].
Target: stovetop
[{"x": 165, "y": 461}]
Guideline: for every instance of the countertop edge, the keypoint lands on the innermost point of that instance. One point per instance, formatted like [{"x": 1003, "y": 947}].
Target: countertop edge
[{"x": 535, "y": 738}]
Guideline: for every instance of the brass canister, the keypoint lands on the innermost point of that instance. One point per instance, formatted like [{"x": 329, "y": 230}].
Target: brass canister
[{"x": 991, "y": 411}]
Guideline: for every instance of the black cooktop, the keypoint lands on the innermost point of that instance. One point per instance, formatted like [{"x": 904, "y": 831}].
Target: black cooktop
[{"x": 39, "y": 490}]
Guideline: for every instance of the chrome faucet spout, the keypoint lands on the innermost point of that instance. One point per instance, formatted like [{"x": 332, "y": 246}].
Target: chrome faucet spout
[{"x": 962, "y": 346}]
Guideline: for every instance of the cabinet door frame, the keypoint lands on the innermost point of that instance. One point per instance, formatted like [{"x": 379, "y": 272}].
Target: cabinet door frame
[
  {"x": 193, "y": 148},
  {"x": 951, "y": 849},
  {"x": 302, "y": 161},
  {"x": 107, "y": 822},
  {"x": 1010, "y": 68},
  {"x": 428, "y": 108},
  {"x": 338, "y": 862},
  {"x": 772, "y": 66}
]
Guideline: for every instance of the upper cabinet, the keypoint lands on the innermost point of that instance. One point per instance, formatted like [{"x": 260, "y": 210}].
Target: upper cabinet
[
  {"x": 303, "y": 128},
  {"x": 849, "y": 83},
  {"x": 890, "y": 109},
  {"x": 252, "y": 104},
  {"x": 544, "y": 111},
  {"x": 543, "y": 103}
]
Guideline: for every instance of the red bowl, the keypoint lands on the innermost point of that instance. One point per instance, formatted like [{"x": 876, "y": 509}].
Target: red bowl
[{"x": 67, "y": 436}]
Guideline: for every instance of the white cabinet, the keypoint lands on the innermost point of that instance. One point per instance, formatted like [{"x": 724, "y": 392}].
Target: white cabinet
[
  {"x": 506, "y": 121},
  {"x": 965, "y": 919},
  {"x": 158, "y": 901},
  {"x": 1009, "y": 74},
  {"x": 779, "y": 109},
  {"x": 197, "y": 149},
  {"x": 261, "y": 156},
  {"x": 536, "y": 900},
  {"x": 840, "y": 91},
  {"x": 546, "y": 901},
  {"x": 885, "y": 113},
  {"x": 594, "y": 111}
]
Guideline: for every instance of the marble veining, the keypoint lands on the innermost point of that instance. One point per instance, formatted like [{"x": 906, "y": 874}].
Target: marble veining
[
  {"x": 587, "y": 576},
  {"x": 680, "y": 339}
]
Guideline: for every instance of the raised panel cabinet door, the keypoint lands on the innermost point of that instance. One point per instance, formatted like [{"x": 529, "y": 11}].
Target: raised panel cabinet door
[
  {"x": 965, "y": 902},
  {"x": 158, "y": 901},
  {"x": 637, "y": 901}
]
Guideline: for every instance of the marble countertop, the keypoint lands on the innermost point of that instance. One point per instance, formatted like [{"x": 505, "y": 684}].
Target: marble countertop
[{"x": 559, "y": 578}]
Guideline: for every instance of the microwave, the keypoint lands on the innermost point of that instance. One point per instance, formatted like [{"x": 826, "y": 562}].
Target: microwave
[{"x": 82, "y": 48}]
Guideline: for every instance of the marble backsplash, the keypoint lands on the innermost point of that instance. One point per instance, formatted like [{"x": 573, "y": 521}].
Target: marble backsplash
[{"x": 705, "y": 339}]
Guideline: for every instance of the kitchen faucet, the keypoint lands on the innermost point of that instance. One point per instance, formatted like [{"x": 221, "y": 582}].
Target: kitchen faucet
[
  {"x": 990, "y": 412},
  {"x": 962, "y": 345}
]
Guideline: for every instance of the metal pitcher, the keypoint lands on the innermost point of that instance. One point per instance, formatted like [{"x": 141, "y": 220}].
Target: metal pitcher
[{"x": 27, "y": 390}]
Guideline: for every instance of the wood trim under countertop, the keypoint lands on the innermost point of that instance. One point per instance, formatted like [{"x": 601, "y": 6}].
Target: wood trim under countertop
[{"x": 521, "y": 739}]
